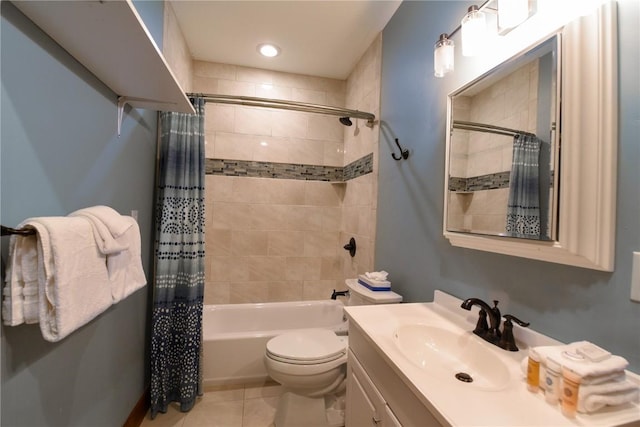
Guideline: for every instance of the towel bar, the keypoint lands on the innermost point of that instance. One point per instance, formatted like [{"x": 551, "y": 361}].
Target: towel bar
[{"x": 7, "y": 231}]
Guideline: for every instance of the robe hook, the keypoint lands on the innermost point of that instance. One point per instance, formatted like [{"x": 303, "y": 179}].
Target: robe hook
[{"x": 404, "y": 153}]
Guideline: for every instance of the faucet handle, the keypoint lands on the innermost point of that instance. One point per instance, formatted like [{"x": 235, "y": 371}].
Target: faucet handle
[
  {"x": 509, "y": 317},
  {"x": 507, "y": 340},
  {"x": 481, "y": 326}
]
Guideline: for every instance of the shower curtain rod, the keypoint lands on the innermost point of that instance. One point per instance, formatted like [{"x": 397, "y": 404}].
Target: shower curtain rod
[
  {"x": 481, "y": 127},
  {"x": 250, "y": 101}
]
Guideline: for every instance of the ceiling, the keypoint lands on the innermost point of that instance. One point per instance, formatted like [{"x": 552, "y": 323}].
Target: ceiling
[{"x": 319, "y": 38}]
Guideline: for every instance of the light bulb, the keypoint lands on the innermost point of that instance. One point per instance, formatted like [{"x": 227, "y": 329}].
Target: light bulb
[
  {"x": 443, "y": 54},
  {"x": 474, "y": 32},
  {"x": 268, "y": 50},
  {"x": 511, "y": 13}
]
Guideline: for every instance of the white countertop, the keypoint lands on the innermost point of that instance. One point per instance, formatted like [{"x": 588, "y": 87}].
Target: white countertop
[{"x": 457, "y": 402}]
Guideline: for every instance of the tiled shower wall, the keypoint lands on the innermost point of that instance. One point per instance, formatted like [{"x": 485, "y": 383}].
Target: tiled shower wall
[
  {"x": 271, "y": 239},
  {"x": 511, "y": 103},
  {"x": 359, "y": 209}
]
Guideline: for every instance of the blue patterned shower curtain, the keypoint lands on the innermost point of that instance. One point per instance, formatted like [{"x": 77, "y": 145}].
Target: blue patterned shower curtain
[
  {"x": 176, "y": 336},
  {"x": 523, "y": 207}
]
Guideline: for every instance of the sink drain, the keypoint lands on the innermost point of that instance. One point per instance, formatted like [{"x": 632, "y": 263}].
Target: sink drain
[{"x": 464, "y": 377}]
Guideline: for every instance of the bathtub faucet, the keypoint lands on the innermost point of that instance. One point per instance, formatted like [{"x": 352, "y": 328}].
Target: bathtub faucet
[{"x": 337, "y": 294}]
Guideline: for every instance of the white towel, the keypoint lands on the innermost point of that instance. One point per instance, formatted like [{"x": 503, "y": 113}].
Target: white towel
[
  {"x": 125, "y": 268},
  {"x": 12, "y": 313},
  {"x": 587, "y": 369},
  {"x": 613, "y": 393},
  {"x": 379, "y": 276},
  {"x": 29, "y": 277},
  {"x": 73, "y": 280},
  {"x": 108, "y": 225},
  {"x": 21, "y": 281},
  {"x": 591, "y": 380},
  {"x": 606, "y": 390}
]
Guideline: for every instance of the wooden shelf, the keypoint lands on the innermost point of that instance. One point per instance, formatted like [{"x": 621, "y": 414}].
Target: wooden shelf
[{"x": 111, "y": 41}]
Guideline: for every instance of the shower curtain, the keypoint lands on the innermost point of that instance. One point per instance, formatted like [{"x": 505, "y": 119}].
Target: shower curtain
[
  {"x": 523, "y": 207},
  {"x": 176, "y": 336}
]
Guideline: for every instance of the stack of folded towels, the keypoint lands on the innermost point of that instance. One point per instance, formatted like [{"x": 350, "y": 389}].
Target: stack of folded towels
[
  {"x": 71, "y": 270},
  {"x": 604, "y": 382},
  {"x": 375, "y": 281}
]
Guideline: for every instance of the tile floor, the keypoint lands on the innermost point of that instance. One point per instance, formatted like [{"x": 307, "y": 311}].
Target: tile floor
[{"x": 225, "y": 406}]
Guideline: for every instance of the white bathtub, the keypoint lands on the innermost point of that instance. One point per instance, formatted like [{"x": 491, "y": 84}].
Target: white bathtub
[{"x": 235, "y": 335}]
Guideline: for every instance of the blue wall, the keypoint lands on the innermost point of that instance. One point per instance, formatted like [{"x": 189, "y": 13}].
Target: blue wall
[
  {"x": 59, "y": 153},
  {"x": 566, "y": 303}
]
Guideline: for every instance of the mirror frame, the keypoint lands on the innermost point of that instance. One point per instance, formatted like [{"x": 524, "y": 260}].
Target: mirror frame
[{"x": 589, "y": 148}]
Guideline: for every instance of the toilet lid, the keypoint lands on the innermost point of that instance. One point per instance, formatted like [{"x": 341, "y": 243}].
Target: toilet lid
[{"x": 307, "y": 345}]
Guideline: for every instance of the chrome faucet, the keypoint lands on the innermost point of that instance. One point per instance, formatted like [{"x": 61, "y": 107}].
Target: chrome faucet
[{"x": 490, "y": 332}]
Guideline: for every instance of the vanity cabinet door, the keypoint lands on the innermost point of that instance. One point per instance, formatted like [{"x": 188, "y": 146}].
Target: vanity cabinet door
[
  {"x": 390, "y": 419},
  {"x": 360, "y": 411},
  {"x": 365, "y": 404}
]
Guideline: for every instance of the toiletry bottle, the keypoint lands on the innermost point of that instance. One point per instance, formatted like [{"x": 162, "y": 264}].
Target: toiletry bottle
[
  {"x": 569, "y": 392},
  {"x": 533, "y": 371},
  {"x": 552, "y": 382}
]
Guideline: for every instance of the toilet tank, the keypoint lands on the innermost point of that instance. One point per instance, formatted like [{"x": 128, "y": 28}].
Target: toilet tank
[{"x": 360, "y": 295}]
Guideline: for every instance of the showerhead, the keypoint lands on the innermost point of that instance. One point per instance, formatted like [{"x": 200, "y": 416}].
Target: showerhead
[{"x": 345, "y": 121}]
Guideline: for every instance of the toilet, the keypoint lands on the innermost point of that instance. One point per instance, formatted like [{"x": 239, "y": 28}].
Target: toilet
[{"x": 311, "y": 365}]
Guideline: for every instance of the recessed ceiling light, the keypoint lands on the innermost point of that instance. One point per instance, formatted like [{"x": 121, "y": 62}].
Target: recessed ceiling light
[{"x": 268, "y": 50}]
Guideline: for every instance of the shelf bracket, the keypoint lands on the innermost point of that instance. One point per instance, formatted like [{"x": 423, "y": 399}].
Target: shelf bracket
[
  {"x": 139, "y": 103},
  {"x": 122, "y": 100}
]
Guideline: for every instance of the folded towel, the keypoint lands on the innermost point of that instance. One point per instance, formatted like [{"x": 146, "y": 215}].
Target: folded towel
[
  {"x": 377, "y": 275},
  {"x": 125, "y": 268},
  {"x": 116, "y": 223},
  {"x": 566, "y": 356},
  {"x": 591, "y": 380},
  {"x": 29, "y": 273},
  {"x": 613, "y": 393},
  {"x": 30, "y": 304},
  {"x": 607, "y": 390},
  {"x": 108, "y": 225},
  {"x": 71, "y": 270},
  {"x": 12, "y": 314},
  {"x": 22, "y": 251},
  {"x": 73, "y": 281}
]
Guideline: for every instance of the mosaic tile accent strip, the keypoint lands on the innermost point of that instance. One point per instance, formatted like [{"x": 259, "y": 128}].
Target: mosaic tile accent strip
[
  {"x": 256, "y": 169},
  {"x": 457, "y": 184},
  {"x": 490, "y": 181},
  {"x": 483, "y": 182},
  {"x": 362, "y": 166}
]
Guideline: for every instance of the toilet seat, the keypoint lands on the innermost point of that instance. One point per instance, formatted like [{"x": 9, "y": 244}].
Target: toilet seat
[
  {"x": 304, "y": 362},
  {"x": 307, "y": 347}
]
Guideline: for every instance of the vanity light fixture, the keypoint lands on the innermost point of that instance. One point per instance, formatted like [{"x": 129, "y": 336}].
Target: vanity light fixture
[
  {"x": 511, "y": 13},
  {"x": 443, "y": 54},
  {"x": 268, "y": 50},
  {"x": 474, "y": 30}
]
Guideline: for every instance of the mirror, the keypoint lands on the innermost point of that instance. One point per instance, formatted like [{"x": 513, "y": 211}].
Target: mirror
[
  {"x": 502, "y": 148},
  {"x": 577, "y": 189}
]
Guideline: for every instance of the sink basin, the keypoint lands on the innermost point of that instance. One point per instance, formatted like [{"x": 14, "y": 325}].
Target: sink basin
[{"x": 452, "y": 355}]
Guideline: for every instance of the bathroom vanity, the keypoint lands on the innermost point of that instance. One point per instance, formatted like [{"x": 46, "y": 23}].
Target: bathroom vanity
[{"x": 403, "y": 361}]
